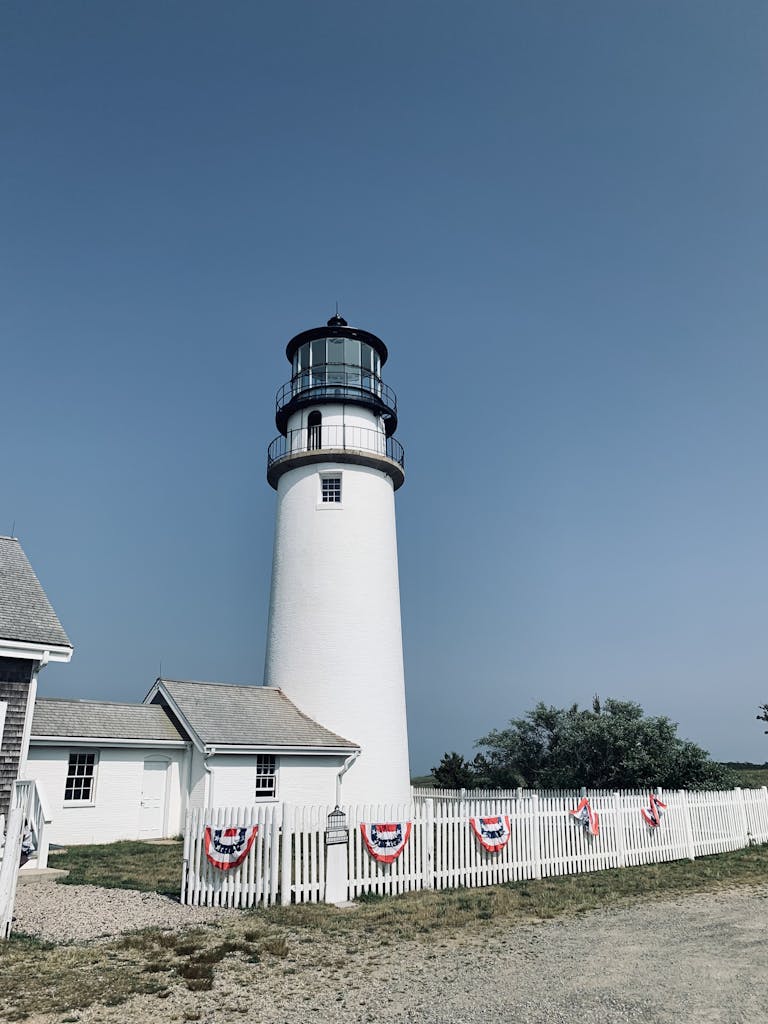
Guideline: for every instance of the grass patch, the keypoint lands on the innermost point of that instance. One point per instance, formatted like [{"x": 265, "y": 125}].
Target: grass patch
[
  {"x": 148, "y": 867},
  {"x": 416, "y": 914},
  {"x": 53, "y": 979},
  {"x": 276, "y": 946},
  {"x": 749, "y": 776}
]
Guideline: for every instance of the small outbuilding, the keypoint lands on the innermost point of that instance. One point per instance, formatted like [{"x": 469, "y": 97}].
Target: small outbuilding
[{"x": 130, "y": 771}]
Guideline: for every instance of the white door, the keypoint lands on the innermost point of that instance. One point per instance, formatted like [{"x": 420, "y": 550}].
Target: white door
[{"x": 152, "y": 814}]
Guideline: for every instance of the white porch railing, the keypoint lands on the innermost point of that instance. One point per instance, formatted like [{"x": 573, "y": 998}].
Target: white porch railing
[
  {"x": 29, "y": 795},
  {"x": 27, "y": 811}
]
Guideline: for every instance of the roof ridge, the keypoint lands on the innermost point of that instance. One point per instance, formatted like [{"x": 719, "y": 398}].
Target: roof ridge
[
  {"x": 88, "y": 700},
  {"x": 216, "y": 682}
]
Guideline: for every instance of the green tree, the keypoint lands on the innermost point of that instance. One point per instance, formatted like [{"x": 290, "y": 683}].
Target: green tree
[
  {"x": 454, "y": 772},
  {"x": 764, "y": 716},
  {"x": 610, "y": 746}
]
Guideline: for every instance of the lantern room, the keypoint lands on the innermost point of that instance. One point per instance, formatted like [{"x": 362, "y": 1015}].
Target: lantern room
[{"x": 337, "y": 363}]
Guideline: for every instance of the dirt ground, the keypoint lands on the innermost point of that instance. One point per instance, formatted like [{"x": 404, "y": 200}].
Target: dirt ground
[{"x": 700, "y": 958}]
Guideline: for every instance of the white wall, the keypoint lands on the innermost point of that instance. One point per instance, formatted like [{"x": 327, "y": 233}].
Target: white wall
[
  {"x": 115, "y": 811},
  {"x": 309, "y": 780},
  {"x": 336, "y": 414},
  {"x": 197, "y": 780},
  {"x": 301, "y": 780}
]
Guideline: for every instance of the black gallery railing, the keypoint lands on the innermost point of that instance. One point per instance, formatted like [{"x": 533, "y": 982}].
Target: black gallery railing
[
  {"x": 334, "y": 380},
  {"x": 342, "y": 437}
]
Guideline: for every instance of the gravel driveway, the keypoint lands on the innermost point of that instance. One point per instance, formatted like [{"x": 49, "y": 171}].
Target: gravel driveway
[{"x": 701, "y": 958}]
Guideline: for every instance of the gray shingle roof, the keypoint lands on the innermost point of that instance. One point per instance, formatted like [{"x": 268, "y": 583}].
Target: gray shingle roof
[
  {"x": 248, "y": 715},
  {"x": 92, "y": 718},
  {"x": 25, "y": 612}
]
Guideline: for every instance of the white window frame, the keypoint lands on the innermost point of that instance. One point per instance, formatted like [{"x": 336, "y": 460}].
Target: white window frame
[
  {"x": 260, "y": 794},
  {"x": 335, "y": 475},
  {"x": 91, "y": 800}
]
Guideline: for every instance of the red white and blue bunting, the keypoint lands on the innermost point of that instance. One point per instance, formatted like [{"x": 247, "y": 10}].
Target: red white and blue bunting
[
  {"x": 227, "y": 848},
  {"x": 492, "y": 833},
  {"x": 652, "y": 813},
  {"x": 386, "y": 840},
  {"x": 589, "y": 819}
]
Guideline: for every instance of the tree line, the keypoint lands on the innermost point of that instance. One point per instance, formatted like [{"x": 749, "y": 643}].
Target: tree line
[{"x": 612, "y": 745}]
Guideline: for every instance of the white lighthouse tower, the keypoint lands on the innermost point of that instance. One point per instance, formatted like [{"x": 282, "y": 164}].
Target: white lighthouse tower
[{"x": 334, "y": 643}]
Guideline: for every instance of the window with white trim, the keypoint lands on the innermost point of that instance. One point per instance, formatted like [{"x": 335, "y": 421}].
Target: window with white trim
[
  {"x": 331, "y": 489},
  {"x": 266, "y": 775},
  {"x": 81, "y": 777}
]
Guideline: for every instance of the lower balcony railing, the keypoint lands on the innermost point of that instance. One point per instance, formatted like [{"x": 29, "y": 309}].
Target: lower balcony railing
[{"x": 338, "y": 437}]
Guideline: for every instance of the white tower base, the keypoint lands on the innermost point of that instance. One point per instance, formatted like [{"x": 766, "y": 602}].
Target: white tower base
[{"x": 334, "y": 643}]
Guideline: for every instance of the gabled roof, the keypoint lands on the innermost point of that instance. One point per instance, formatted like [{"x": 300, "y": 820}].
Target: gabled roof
[
  {"x": 222, "y": 714},
  {"x": 103, "y": 720},
  {"x": 25, "y": 612}
]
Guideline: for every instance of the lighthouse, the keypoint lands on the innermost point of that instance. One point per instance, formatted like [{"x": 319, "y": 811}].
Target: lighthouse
[{"x": 334, "y": 641}]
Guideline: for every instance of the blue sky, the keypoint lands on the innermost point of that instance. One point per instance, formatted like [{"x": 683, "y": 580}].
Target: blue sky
[{"x": 555, "y": 216}]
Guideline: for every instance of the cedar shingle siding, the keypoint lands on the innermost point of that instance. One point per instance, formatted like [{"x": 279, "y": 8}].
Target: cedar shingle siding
[{"x": 15, "y": 677}]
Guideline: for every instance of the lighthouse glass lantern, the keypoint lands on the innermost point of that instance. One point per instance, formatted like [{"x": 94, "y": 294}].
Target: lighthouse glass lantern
[{"x": 334, "y": 643}]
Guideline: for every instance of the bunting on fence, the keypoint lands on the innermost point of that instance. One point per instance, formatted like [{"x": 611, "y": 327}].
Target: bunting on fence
[
  {"x": 652, "y": 814},
  {"x": 227, "y": 848},
  {"x": 589, "y": 819},
  {"x": 386, "y": 841},
  {"x": 492, "y": 833}
]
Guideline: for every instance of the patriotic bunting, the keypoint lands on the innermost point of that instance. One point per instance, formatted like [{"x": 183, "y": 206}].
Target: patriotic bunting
[
  {"x": 492, "y": 833},
  {"x": 589, "y": 819},
  {"x": 652, "y": 814},
  {"x": 226, "y": 848},
  {"x": 386, "y": 840}
]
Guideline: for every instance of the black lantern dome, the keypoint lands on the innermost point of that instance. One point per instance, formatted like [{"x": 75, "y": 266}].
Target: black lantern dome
[{"x": 336, "y": 363}]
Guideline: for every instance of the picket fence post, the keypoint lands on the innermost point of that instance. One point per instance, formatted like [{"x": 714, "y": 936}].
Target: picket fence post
[
  {"x": 428, "y": 864},
  {"x": 185, "y": 857},
  {"x": 536, "y": 842},
  {"x": 621, "y": 849},
  {"x": 688, "y": 824},
  {"x": 336, "y": 862},
  {"x": 285, "y": 857}
]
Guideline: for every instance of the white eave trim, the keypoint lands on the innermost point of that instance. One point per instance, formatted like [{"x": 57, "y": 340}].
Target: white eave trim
[
  {"x": 101, "y": 741},
  {"x": 34, "y": 652},
  {"x": 212, "y": 749}
]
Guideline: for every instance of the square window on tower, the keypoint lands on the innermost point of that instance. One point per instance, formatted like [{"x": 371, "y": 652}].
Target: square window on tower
[{"x": 331, "y": 489}]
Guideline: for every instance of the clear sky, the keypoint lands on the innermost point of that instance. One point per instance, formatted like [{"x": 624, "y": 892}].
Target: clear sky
[{"x": 555, "y": 216}]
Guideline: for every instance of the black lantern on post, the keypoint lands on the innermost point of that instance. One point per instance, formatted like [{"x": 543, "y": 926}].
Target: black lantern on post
[{"x": 337, "y": 831}]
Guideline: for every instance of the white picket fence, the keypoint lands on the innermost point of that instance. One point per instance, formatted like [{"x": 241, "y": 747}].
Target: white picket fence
[{"x": 287, "y": 863}]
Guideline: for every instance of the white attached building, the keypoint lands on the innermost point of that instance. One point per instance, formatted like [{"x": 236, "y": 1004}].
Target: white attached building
[{"x": 130, "y": 771}]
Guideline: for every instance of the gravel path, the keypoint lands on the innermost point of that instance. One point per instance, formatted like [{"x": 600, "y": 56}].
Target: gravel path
[
  {"x": 77, "y": 913},
  {"x": 701, "y": 958}
]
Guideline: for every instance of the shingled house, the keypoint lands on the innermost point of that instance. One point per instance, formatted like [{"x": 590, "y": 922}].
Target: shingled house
[
  {"x": 31, "y": 636},
  {"x": 130, "y": 771}
]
